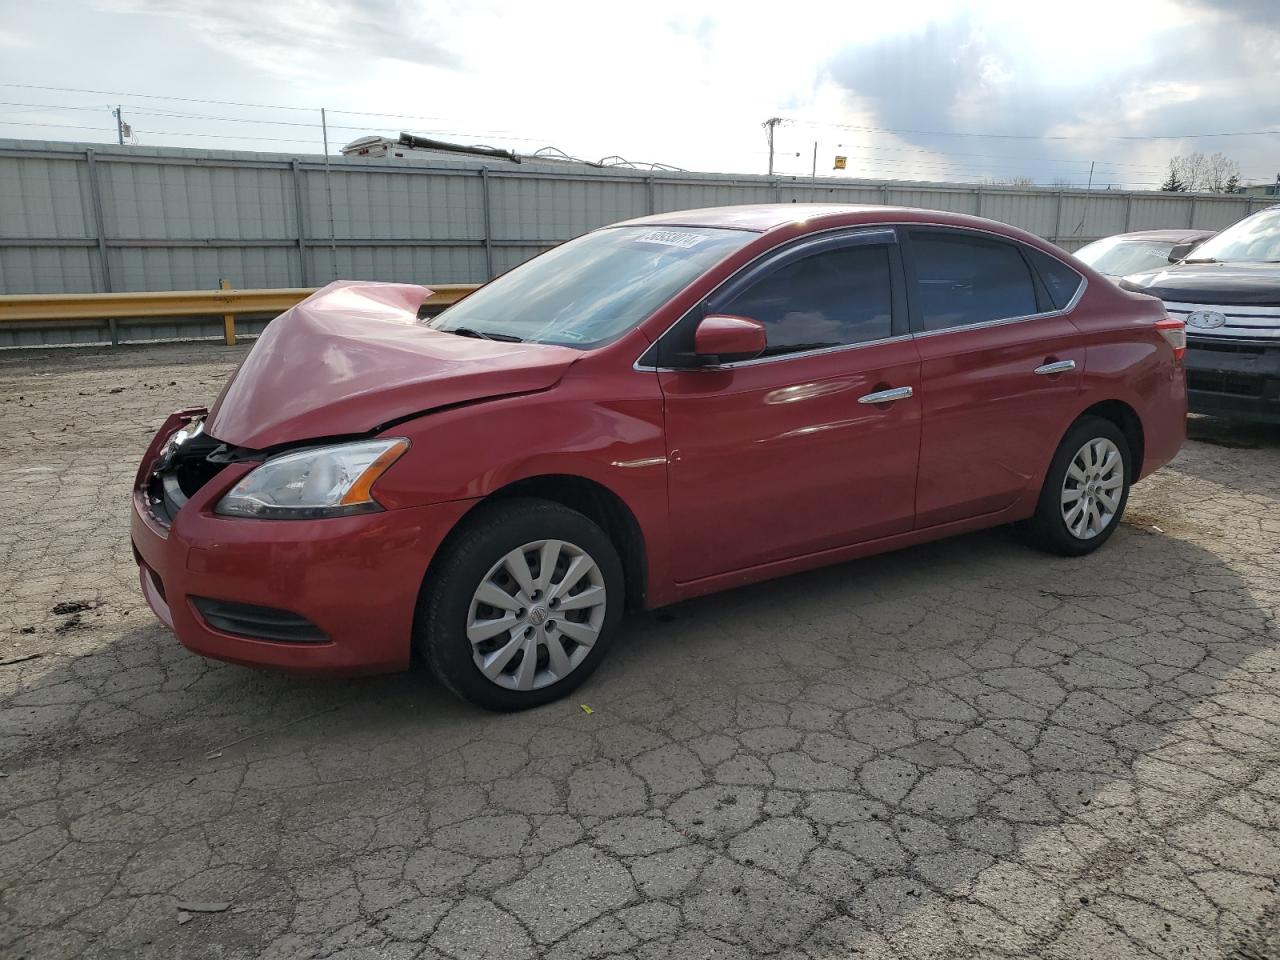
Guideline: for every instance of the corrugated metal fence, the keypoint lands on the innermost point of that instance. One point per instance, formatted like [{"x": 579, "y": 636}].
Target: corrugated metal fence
[{"x": 82, "y": 219}]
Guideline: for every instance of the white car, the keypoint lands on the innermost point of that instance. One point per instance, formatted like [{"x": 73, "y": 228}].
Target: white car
[{"x": 1128, "y": 253}]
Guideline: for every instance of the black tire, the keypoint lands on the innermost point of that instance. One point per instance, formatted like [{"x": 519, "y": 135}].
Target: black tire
[
  {"x": 1048, "y": 529},
  {"x": 472, "y": 550}
]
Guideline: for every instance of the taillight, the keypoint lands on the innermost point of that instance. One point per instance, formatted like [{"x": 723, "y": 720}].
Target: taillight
[{"x": 1175, "y": 331}]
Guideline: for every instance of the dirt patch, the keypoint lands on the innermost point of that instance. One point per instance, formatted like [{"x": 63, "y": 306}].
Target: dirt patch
[{"x": 74, "y": 606}]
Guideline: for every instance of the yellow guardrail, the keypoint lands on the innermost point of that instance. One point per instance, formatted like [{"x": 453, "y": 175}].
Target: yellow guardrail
[{"x": 228, "y": 303}]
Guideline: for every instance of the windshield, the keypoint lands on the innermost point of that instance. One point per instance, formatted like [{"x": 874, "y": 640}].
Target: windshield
[
  {"x": 593, "y": 289},
  {"x": 1253, "y": 238},
  {"x": 1117, "y": 257}
]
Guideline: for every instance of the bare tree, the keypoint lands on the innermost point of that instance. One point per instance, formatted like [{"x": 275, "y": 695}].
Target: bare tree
[{"x": 1214, "y": 173}]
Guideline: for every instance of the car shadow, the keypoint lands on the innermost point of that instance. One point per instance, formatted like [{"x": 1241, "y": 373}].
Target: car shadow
[
  {"x": 846, "y": 754},
  {"x": 1215, "y": 452}
]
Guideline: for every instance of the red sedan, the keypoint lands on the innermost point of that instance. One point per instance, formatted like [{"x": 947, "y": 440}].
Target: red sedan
[{"x": 662, "y": 408}]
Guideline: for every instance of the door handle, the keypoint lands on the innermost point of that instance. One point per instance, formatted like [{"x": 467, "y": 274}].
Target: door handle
[
  {"x": 886, "y": 396},
  {"x": 1058, "y": 366}
]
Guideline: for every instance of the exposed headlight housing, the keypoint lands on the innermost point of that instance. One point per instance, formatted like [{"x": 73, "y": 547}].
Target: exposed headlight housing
[{"x": 334, "y": 481}]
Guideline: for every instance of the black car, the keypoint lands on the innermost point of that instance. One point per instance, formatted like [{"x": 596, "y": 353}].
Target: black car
[{"x": 1228, "y": 294}]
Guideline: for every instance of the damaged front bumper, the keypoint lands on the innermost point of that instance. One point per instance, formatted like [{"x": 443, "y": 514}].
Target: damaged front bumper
[{"x": 335, "y": 595}]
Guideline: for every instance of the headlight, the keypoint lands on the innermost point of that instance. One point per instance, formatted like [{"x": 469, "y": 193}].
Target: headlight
[{"x": 320, "y": 482}]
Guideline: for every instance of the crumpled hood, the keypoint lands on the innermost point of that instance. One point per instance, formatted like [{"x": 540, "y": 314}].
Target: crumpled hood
[
  {"x": 354, "y": 356},
  {"x": 1240, "y": 284}
]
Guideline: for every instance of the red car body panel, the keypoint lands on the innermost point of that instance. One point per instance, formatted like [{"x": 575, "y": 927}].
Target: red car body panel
[
  {"x": 985, "y": 413},
  {"x": 356, "y": 358},
  {"x": 756, "y": 423},
  {"x": 336, "y": 572},
  {"x": 731, "y": 476}
]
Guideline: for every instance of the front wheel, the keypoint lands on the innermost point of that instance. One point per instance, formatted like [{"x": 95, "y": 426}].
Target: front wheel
[
  {"x": 522, "y": 606},
  {"x": 1085, "y": 490}
]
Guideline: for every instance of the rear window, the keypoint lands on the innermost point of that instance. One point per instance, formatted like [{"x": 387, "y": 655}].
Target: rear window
[
  {"x": 964, "y": 280},
  {"x": 591, "y": 290},
  {"x": 1059, "y": 280}
]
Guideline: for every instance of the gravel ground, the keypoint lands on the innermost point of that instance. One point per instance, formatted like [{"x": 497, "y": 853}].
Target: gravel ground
[{"x": 960, "y": 750}]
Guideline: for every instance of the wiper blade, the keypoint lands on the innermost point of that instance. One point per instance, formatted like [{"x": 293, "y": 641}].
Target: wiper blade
[
  {"x": 481, "y": 335},
  {"x": 1201, "y": 260}
]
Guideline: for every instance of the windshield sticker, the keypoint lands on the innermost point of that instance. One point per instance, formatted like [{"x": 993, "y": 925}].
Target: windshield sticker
[{"x": 671, "y": 238}]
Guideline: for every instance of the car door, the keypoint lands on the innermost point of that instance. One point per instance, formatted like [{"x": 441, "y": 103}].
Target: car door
[
  {"x": 1001, "y": 368},
  {"x": 812, "y": 445}
]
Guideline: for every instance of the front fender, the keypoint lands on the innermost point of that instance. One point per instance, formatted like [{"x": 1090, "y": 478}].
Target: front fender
[{"x": 470, "y": 452}]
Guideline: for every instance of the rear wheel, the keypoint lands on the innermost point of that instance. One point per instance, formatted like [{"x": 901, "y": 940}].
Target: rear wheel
[
  {"x": 523, "y": 605},
  {"x": 1085, "y": 490}
]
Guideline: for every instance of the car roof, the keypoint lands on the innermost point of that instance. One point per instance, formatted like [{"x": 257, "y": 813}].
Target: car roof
[
  {"x": 763, "y": 217},
  {"x": 1177, "y": 236}
]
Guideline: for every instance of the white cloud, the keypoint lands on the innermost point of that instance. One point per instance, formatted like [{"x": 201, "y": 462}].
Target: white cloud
[{"x": 679, "y": 81}]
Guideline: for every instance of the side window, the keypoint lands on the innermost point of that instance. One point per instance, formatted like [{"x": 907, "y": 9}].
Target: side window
[
  {"x": 1059, "y": 280},
  {"x": 965, "y": 280},
  {"x": 829, "y": 299}
]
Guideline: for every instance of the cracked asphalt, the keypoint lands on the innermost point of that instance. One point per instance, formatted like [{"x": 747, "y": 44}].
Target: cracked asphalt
[{"x": 965, "y": 749}]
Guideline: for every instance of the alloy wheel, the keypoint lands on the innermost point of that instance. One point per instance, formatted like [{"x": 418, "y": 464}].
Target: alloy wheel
[
  {"x": 1092, "y": 488},
  {"x": 536, "y": 614}
]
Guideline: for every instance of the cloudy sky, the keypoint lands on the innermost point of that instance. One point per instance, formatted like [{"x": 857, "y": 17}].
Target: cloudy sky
[{"x": 918, "y": 89}]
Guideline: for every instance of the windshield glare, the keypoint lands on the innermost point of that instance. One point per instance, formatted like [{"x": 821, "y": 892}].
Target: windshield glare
[
  {"x": 1117, "y": 257},
  {"x": 591, "y": 290},
  {"x": 1253, "y": 238}
]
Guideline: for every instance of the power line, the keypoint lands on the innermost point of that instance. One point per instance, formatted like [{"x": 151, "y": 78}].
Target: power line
[
  {"x": 156, "y": 133},
  {"x": 866, "y": 156},
  {"x": 50, "y": 106},
  {"x": 1013, "y": 157},
  {"x": 968, "y": 169},
  {"x": 156, "y": 96},
  {"x": 393, "y": 116},
  {"x": 1032, "y": 136},
  {"x": 229, "y": 103},
  {"x": 59, "y": 126},
  {"x": 223, "y": 136},
  {"x": 502, "y": 134}
]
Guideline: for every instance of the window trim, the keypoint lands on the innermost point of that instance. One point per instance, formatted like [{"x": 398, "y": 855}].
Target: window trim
[
  {"x": 1037, "y": 283},
  {"x": 907, "y": 264},
  {"x": 776, "y": 258}
]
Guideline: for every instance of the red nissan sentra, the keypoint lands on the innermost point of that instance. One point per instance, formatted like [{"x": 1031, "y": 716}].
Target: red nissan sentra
[{"x": 659, "y": 409}]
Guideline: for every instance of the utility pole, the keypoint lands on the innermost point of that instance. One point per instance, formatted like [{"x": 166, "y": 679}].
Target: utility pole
[
  {"x": 1090, "y": 186},
  {"x": 814, "y": 175},
  {"x": 119, "y": 126},
  {"x": 769, "y": 126},
  {"x": 328, "y": 189}
]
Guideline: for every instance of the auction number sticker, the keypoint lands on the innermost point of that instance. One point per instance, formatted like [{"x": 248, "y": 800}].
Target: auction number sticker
[{"x": 671, "y": 238}]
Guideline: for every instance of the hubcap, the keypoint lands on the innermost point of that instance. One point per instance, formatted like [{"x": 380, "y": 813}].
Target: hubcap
[
  {"x": 536, "y": 615},
  {"x": 1092, "y": 488}
]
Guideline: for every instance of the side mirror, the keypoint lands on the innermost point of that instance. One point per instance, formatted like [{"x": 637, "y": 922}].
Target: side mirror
[
  {"x": 723, "y": 339},
  {"x": 1180, "y": 251}
]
